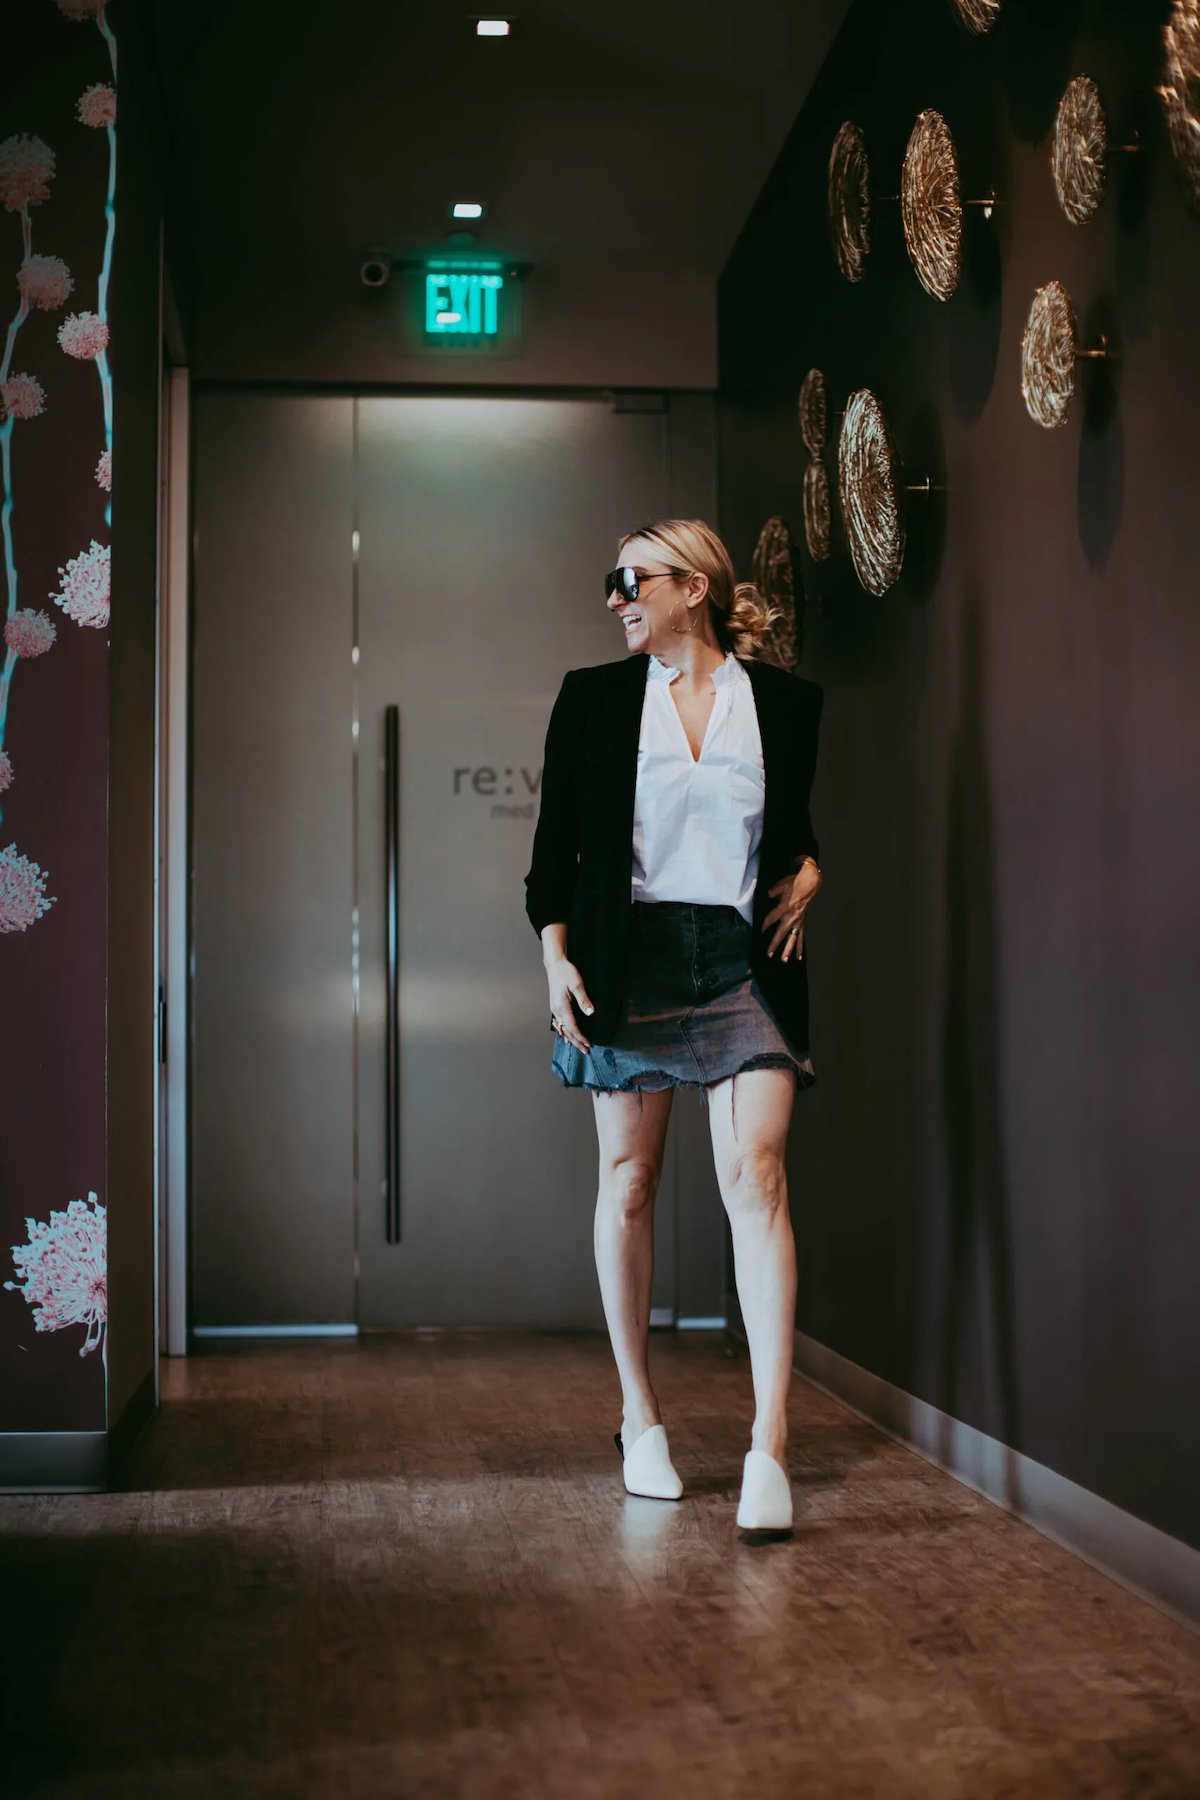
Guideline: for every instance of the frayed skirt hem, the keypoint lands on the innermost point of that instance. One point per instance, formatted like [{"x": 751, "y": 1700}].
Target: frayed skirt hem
[{"x": 656, "y": 1081}]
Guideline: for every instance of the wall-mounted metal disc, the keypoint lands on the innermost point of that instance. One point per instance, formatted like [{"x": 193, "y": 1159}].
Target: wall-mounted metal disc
[
  {"x": 1048, "y": 356},
  {"x": 869, "y": 492},
  {"x": 775, "y": 580},
  {"x": 849, "y": 201},
  {"x": 1080, "y": 151},
  {"x": 977, "y": 15},
  {"x": 812, "y": 411},
  {"x": 817, "y": 511},
  {"x": 1180, "y": 93},
  {"x": 931, "y": 205}
]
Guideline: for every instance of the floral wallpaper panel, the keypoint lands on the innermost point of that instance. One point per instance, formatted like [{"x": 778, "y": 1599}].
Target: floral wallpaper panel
[{"x": 58, "y": 171}]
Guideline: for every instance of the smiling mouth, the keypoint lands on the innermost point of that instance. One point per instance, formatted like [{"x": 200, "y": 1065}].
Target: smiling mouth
[{"x": 628, "y": 619}]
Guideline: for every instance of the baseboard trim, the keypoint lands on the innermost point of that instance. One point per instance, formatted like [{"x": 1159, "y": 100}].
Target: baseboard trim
[
  {"x": 1149, "y": 1562},
  {"x": 273, "y": 1331},
  {"x": 53, "y": 1462}
]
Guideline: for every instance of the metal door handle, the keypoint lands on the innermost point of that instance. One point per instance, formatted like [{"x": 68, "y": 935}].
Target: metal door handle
[{"x": 391, "y": 740}]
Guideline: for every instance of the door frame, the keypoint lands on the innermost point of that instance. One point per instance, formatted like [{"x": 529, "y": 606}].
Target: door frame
[
  {"x": 690, "y": 421},
  {"x": 172, "y": 831}
]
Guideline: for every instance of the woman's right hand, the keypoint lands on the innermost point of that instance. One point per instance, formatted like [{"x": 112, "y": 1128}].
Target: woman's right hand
[{"x": 565, "y": 981}]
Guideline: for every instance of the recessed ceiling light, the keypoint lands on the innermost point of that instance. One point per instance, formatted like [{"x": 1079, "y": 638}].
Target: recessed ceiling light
[
  {"x": 468, "y": 209},
  {"x": 491, "y": 27}
]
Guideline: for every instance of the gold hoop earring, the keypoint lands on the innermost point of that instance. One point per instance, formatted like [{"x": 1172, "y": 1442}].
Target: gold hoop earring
[{"x": 683, "y": 630}]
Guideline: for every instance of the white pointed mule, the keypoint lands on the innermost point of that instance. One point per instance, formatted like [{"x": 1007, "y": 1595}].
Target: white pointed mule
[
  {"x": 766, "y": 1498},
  {"x": 647, "y": 1465}
]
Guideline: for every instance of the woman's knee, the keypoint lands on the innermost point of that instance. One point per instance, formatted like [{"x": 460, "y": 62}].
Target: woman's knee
[
  {"x": 629, "y": 1183},
  {"x": 755, "y": 1181}
]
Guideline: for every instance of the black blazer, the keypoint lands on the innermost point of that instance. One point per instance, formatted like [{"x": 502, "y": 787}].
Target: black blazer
[{"x": 582, "y": 866}]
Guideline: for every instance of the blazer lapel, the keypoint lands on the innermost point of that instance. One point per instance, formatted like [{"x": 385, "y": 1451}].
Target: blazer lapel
[
  {"x": 620, "y": 727},
  {"x": 773, "y": 747}
]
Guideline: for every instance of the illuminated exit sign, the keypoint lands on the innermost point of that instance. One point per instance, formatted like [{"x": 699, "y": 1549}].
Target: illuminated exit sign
[{"x": 464, "y": 303}]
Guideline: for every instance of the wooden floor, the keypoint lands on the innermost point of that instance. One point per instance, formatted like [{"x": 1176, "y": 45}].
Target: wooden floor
[{"x": 408, "y": 1566}]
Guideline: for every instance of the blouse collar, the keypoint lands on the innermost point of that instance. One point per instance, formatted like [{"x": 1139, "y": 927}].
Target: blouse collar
[{"x": 729, "y": 670}]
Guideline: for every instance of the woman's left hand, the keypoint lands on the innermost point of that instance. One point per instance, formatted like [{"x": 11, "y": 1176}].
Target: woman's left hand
[{"x": 796, "y": 892}]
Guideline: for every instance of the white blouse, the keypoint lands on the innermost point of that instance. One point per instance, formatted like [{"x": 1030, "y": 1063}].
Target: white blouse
[{"x": 697, "y": 825}]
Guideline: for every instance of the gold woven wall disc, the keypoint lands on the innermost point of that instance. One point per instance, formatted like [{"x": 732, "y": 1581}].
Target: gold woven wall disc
[
  {"x": 816, "y": 511},
  {"x": 1180, "y": 92},
  {"x": 870, "y": 494},
  {"x": 930, "y": 205},
  {"x": 1048, "y": 356},
  {"x": 849, "y": 201},
  {"x": 977, "y": 15},
  {"x": 773, "y": 577},
  {"x": 812, "y": 413},
  {"x": 1080, "y": 150}
]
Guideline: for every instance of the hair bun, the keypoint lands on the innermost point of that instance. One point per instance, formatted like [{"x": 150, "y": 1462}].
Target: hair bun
[{"x": 750, "y": 618}]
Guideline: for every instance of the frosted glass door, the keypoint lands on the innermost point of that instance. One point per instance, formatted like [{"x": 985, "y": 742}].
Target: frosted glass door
[{"x": 485, "y": 526}]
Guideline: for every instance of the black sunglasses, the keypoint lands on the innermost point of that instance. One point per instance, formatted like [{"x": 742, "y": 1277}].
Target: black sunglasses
[{"x": 629, "y": 579}]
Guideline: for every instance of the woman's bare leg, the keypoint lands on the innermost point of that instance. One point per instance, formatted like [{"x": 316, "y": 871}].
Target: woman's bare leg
[
  {"x": 753, "y": 1182},
  {"x": 631, "y": 1139}
]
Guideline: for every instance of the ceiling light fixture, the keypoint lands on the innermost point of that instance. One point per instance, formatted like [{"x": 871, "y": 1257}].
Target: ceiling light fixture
[
  {"x": 491, "y": 27},
  {"x": 468, "y": 209}
]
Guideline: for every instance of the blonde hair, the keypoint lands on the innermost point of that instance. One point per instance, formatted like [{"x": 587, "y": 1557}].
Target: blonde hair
[{"x": 741, "y": 617}]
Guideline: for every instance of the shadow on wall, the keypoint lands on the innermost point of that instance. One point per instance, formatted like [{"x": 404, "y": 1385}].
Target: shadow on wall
[
  {"x": 1132, "y": 181},
  {"x": 1100, "y": 501},
  {"x": 1035, "y": 46},
  {"x": 985, "y": 164},
  {"x": 978, "y": 1229},
  {"x": 924, "y": 458}
]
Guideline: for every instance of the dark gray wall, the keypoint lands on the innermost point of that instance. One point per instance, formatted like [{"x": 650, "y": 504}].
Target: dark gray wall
[
  {"x": 994, "y": 1183},
  {"x": 576, "y": 331}
]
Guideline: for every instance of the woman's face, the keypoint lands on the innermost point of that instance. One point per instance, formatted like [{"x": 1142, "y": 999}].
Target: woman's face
[{"x": 644, "y": 620}]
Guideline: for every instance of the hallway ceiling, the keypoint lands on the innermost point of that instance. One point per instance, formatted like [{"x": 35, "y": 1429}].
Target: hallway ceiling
[{"x": 624, "y": 138}]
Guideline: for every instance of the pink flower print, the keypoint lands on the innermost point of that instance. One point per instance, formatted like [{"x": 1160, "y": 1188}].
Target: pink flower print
[
  {"x": 29, "y": 633},
  {"x": 85, "y": 586},
  {"x": 6, "y": 772},
  {"x": 104, "y": 471},
  {"x": 80, "y": 9},
  {"x": 83, "y": 335},
  {"x": 22, "y": 891},
  {"x": 26, "y": 171},
  {"x": 44, "y": 281},
  {"x": 22, "y": 397},
  {"x": 98, "y": 105},
  {"x": 63, "y": 1270}
]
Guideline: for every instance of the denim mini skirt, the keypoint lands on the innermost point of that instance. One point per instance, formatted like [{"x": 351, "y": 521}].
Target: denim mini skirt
[{"x": 693, "y": 1013}]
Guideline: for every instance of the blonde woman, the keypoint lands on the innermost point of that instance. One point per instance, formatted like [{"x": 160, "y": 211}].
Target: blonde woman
[{"x": 673, "y": 864}]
